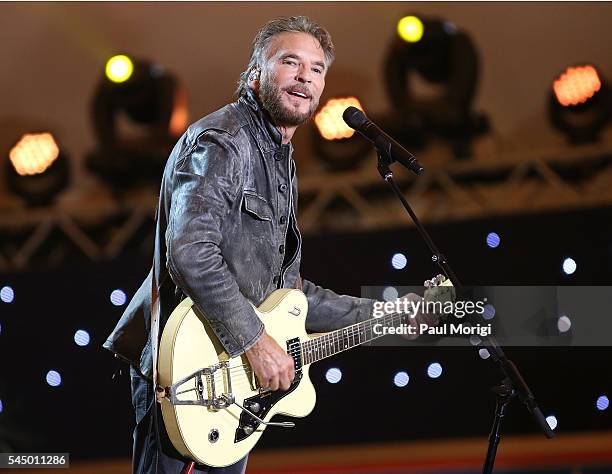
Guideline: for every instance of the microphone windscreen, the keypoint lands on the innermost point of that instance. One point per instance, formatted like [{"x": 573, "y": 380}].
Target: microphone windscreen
[{"x": 354, "y": 117}]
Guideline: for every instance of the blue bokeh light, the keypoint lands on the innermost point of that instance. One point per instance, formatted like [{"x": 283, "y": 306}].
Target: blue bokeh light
[
  {"x": 602, "y": 403},
  {"x": 118, "y": 297},
  {"x": 333, "y": 375},
  {"x": 484, "y": 353},
  {"x": 81, "y": 337},
  {"x": 401, "y": 379},
  {"x": 390, "y": 293},
  {"x": 399, "y": 261},
  {"x": 54, "y": 378},
  {"x": 493, "y": 240},
  {"x": 488, "y": 312},
  {"x": 7, "y": 295},
  {"x": 434, "y": 370}
]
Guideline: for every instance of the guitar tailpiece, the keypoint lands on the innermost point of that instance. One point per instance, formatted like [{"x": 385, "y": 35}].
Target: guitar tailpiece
[{"x": 209, "y": 384}]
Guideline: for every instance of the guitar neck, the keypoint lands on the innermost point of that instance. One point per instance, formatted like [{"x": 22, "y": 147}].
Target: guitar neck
[{"x": 346, "y": 338}]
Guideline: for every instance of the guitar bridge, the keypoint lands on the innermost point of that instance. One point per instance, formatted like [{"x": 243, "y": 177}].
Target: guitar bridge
[{"x": 211, "y": 385}]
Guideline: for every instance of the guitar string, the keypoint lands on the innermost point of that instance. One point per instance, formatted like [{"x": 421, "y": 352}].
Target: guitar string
[
  {"x": 324, "y": 346},
  {"x": 318, "y": 348},
  {"x": 341, "y": 335},
  {"x": 327, "y": 343}
]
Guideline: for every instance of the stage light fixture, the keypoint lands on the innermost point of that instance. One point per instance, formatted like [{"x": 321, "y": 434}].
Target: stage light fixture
[
  {"x": 329, "y": 120},
  {"x": 432, "y": 82},
  {"x": 139, "y": 111},
  {"x": 34, "y": 153},
  {"x": 334, "y": 141},
  {"x": 37, "y": 168},
  {"x": 580, "y": 103},
  {"x": 119, "y": 68},
  {"x": 577, "y": 85},
  {"x": 410, "y": 29}
]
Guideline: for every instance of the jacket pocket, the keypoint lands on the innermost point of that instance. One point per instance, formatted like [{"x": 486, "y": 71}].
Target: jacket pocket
[{"x": 256, "y": 206}]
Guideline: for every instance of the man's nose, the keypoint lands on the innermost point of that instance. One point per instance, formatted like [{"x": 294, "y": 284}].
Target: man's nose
[{"x": 303, "y": 75}]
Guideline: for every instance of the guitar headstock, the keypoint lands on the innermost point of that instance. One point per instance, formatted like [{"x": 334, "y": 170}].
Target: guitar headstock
[{"x": 439, "y": 288}]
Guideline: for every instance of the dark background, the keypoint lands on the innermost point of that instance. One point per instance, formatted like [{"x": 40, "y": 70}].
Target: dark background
[{"x": 90, "y": 415}]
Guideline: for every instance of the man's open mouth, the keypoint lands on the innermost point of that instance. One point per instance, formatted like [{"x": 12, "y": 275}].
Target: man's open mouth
[{"x": 299, "y": 94}]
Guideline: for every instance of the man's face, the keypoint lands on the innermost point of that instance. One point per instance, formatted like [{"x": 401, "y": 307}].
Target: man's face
[{"x": 293, "y": 78}]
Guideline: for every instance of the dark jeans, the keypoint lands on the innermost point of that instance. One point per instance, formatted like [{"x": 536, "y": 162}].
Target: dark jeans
[{"x": 151, "y": 457}]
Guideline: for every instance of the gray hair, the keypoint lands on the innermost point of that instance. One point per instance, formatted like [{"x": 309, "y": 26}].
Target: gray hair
[{"x": 263, "y": 38}]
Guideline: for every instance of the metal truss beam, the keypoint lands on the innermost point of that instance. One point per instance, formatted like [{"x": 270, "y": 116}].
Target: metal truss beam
[{"x": 519, "y": 183}]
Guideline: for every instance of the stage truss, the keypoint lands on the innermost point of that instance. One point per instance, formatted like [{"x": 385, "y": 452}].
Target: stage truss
[{"x": 100, "y": 228}]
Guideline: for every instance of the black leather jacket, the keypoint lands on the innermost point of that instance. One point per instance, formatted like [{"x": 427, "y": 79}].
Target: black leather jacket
[{"x": 227, "y": 236}]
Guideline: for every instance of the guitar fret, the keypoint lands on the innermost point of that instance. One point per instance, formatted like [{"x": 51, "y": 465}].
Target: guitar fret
[{"x": 346, "y": 338}]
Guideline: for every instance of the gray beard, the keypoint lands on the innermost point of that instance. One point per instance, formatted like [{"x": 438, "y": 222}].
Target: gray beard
[{"x": 271, "y": 99}]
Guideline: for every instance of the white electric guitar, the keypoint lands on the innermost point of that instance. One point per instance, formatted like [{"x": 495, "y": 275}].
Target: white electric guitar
[{"x": 214, "y": 410}]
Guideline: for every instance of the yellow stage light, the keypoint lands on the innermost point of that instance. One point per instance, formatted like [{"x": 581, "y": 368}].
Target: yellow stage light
[
  {"x": 576, "y": 85},
  {"x": 329, "y": 120},
  {"x": 34, "y": 153},
  {"x": 119, "y": 68},
  {"x": 410, "y": 29}
]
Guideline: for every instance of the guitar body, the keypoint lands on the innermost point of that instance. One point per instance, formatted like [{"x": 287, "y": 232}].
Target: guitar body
[{"x": 216, "y": 436}]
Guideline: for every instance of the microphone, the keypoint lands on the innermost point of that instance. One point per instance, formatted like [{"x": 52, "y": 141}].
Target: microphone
[{"x": 385, "y": 145}]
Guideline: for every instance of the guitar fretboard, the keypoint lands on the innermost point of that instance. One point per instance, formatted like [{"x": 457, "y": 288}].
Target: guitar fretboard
[{"x": 347, "y": 338}]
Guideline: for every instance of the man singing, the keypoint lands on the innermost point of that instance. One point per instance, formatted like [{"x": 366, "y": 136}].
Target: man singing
[{"x": 227, "y": 232}]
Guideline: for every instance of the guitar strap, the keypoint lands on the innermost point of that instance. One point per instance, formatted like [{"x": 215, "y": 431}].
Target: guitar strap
[{"x": 160, "y": 392}]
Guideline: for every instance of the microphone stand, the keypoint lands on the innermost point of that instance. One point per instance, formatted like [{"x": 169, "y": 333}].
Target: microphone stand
[{"x": 513, "y": 383}]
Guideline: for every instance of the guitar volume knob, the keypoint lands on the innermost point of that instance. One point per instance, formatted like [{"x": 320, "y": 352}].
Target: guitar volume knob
[
  {"x": 213, "y": 436},
  {"x": 248, "y": 429}
]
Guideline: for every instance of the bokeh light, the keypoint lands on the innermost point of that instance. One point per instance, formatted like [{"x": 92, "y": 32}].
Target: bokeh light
[{"x": 119, "y": 68}]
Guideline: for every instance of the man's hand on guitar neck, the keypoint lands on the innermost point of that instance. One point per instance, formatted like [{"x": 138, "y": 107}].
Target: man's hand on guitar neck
[
  {"x": 271, "y": 364},
  {"x": 430, "y": 319},
  {"x": 438, "y": 289}
]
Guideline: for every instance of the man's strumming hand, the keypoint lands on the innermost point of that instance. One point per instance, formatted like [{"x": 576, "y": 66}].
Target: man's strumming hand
[{"x": 272, "y": 366}]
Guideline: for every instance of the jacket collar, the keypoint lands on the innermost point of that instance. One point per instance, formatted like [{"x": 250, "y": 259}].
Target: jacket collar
[{"x": 261, "y": 120}]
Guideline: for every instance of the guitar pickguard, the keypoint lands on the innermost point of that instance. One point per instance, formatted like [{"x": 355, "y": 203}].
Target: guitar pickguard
[{"x": 265, "y": 402}]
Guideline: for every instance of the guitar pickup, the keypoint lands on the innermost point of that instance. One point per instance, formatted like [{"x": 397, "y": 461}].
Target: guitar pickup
[{"x": 294, "y": 349}]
